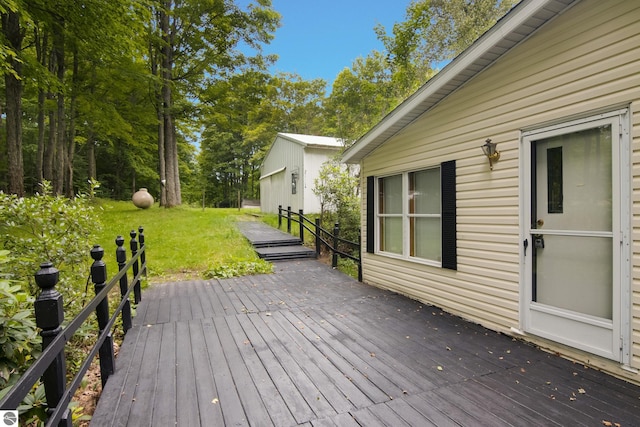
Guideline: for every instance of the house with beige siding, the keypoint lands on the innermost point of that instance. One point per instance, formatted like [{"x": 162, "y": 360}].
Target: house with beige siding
[
  {"x": 289, "y": 170},
  {"x": 543, "y": 243}
]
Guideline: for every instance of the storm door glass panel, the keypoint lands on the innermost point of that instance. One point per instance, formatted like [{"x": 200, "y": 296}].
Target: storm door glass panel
[
  {"x": 390, "y": 213},
  {"x": 424, "y": 214},
  {"x": 575, "y": 274},
  {"x": 572, "y": 216}
]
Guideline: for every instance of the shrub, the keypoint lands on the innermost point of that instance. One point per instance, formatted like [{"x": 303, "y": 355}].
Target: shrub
[
  {"x": 18, "y": 335},
  {"x": 49, "y": 228},
  {"x": 234, "y": 268},
  {"x": 337, "y": 188}
]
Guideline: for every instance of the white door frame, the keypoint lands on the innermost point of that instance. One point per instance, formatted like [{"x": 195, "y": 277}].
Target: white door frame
[{"x": 619, "y": 329}]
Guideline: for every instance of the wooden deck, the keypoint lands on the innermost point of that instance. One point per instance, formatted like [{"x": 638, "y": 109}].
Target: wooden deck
[{"x": 310, "y": 346}]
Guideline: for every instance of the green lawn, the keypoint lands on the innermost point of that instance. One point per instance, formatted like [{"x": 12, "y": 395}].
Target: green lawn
[{"x": 182, "y": 242}]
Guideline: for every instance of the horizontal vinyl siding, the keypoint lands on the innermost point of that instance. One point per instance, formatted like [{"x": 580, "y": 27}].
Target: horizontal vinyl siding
[{"x": 585, "y": 60}]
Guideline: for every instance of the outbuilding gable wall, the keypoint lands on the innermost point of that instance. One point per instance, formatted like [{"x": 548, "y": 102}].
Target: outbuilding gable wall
[
  {"x": 276, "y": 189},
  {"x": 585, "y": 60}
]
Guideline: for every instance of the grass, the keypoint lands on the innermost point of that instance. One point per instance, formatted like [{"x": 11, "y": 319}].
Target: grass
[{"x": 182, "y": 242}]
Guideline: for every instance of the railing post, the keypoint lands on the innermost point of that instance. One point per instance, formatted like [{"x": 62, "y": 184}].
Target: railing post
[
  {"x": 289, "y": 219},
  {"x": 49, "y": 315},
  {"x": 360, "y": 256},
  {"x": 121, "y": 258},
  {"x": 137, "y": 294},
  {"x": 279, "y": 217},
  {"x": 99, "y": 278},
  {"x": 301, "y": 224},
  {"x": 334, "y": 258},
  {"x": 318, "y": 239},
  {"x": 143, "y": 255}
]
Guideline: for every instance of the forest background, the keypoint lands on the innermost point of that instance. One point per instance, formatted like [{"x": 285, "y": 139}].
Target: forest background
[{"x": 176, "y": 95}]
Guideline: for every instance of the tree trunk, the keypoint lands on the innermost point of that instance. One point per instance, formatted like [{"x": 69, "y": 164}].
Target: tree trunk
[
  {"x": 91, "y": 156},
  {"x": 50, "y": 147},
  {"x": 41, "y": 49},
  {"x": 172, "y": 176},
  {"x": 13, "y": 92},
  {"x": 71, "y": 138},
  {"x": 60, "y": 158},
  {"x": 41, "y": 135},
  {"x": 154, "y": 54}
]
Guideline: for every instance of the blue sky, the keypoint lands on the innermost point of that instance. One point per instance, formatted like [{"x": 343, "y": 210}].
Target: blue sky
[{"x": 319, "y": 38}]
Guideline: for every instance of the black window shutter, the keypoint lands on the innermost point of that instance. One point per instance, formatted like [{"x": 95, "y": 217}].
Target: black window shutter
[
  {"x": 371, "y": 215},
  {"x": 448, "y": 184}
]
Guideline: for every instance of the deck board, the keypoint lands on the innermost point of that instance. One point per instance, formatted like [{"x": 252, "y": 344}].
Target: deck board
[{"x": 308, "y": 346}]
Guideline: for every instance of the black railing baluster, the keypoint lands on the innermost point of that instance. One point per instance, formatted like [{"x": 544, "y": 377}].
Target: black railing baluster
[
  {"x": 99, "y": 278},
  {"x": 49, "y": 316},
  {"x": 336, "y": 232},
  {"x": 360, "y": 256},
  {"x": 143, "y": 255},
  {"x": 289, "y": 219},
  {"x": 121, "y": 258},
  {"x": 301, "y": 225},
  {"x": 137, "y": 294},
  {"x": 318, "y": 239},
  {"x": 279, "y": 217}
]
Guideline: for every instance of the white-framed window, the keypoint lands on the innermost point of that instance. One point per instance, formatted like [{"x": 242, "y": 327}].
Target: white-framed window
[{"x": 409, "y": 215}]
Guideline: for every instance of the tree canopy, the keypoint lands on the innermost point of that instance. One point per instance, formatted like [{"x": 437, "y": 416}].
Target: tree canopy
[{"x": 177, "y": 96}]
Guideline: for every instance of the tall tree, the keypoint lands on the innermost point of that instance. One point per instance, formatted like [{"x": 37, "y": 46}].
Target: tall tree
[
  {"x": 13, "y": 36},
  {"x": 193, "y": 42},
  {"x": 436, "y": 31},
  {"x": 361, "y": 96}
]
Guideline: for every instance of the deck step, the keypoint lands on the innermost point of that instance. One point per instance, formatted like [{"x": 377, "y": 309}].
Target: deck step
[
  {"x": 270, "y": 243},
  {"x": 274, "y": 245},
  {"x": 280, "y": 253}
]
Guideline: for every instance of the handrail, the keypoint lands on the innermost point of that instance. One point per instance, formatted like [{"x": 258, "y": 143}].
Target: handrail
[
  {"x": 316, "y": 231},
  {"x": 50, "y": 366}
]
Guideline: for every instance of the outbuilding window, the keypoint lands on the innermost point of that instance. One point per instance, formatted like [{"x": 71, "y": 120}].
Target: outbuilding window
[{"x": 414, "y": 215}]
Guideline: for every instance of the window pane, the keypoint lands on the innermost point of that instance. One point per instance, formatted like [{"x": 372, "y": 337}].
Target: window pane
[
  {"x": 390, "y": 195},
  {"x": 554, "y": 180},
  {"x": 424, "y": 191},
  {"x": 391, "y": 235},
  {"x": 426, "y": 239}
]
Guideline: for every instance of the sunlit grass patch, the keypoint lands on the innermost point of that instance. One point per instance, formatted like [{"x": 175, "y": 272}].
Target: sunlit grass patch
[{"x": 182, "y": 242}]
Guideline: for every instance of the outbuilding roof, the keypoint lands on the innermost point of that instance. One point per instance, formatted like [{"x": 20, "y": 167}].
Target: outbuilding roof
[
  {"x": 520, "y": 23},
  {"x": 312, "y": 140}
]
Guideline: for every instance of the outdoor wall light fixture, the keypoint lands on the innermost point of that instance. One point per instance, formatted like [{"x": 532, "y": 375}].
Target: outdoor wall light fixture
[
  {"x": 489, "y": 150},
  {"x": 294, "y": 182}
]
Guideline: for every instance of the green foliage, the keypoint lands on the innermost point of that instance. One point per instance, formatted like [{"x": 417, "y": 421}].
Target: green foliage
[
  {"x": 338, "y": 190},
  {"x": 33, "y": 409},
  {"x": 49, "y": 228},
  {"x": 235, "y": 267},
  {"x": 435, "y": 31},
  {"x": 361, "y": 96},
  {"x": 18, "y": 335}
]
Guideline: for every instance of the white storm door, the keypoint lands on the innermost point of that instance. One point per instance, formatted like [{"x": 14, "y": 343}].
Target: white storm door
[{"x": 573, "y": 235}]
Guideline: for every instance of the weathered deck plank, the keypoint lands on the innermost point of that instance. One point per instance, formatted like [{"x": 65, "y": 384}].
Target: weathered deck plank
[{"x": 309, "y": 346}]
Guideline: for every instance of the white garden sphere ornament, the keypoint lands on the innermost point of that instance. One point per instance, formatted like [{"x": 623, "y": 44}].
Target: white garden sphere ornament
[{"x": 142, "y": 199}]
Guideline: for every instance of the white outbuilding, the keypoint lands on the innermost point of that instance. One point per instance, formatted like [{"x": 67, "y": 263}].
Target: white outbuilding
[{"x": 290, "y": 168}]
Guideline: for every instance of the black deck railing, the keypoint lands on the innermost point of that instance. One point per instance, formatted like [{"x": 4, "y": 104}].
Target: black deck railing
[
  {"x": 331, "y": 240},
  {"x": 51, "y": 365}
]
